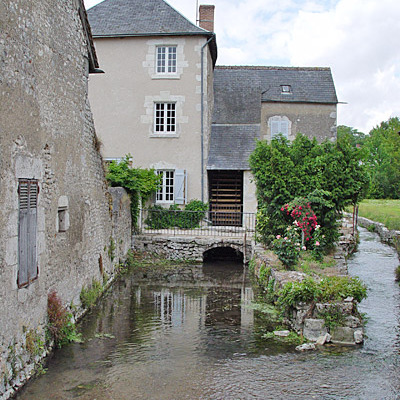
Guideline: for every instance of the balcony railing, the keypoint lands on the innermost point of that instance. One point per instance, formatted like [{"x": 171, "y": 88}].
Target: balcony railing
[{"x": 196, "y": 223}]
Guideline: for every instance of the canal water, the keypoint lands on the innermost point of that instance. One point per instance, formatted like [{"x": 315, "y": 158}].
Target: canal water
[{"x": 194, "y": 335}]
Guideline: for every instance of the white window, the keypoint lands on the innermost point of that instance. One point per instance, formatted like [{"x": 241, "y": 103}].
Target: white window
[
  {"x": 164, "y": 117},
  {"x": 165, "y": 193},
  {"x": 166, "y": 60},
  {"x": 286, "y": 89},
  {"x": 172, "y": 186}
]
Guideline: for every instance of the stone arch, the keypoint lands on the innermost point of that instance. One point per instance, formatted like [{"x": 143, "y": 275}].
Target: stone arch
[{"x": 222, "y": 252}]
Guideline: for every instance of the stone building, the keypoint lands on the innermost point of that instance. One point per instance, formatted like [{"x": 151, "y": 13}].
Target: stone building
[
  {"x": 155, "y": 99},
  {"x": 57, "y": 231},
  {"x": 257, "y": 103}
]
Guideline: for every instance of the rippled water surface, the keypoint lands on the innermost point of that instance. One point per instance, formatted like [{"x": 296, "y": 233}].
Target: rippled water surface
[{"x": 185, "y": 340}]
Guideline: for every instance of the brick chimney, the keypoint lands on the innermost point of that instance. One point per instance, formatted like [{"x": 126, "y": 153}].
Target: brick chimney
[{"x": 206, "y": 17}]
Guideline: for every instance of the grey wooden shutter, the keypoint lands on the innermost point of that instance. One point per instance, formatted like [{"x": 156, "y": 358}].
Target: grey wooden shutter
[
  {"x": 275, "y": 128},
  {"x": 27, "y": 267},
  {"x": 285, "y": 128},
  {"x": 179, "y": 186}
]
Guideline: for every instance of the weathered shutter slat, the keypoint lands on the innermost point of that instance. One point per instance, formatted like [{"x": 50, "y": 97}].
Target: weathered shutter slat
[
  {"x": 285, "y": 128},
  {"x": 23, "y": 248},
  {"x": 275, "y": 128},
  {"x": 179, "y": 186},
  {"x": 27, "y": 228},
  {"x": 32, "y": 223}
]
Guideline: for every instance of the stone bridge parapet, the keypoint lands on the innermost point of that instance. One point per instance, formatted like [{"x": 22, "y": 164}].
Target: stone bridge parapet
[{"x": 190, "y": 247}]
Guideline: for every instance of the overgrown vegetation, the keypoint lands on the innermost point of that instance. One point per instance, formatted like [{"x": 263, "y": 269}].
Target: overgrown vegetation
[
  {"x": 60, "y": 325},
  {"x": 189, "y": 218},
  {"x": 140, "y": 183},
  {"x": 34, "y": 343},
  {"x": 322, "y": 177},
  {"x": 90, "y": 294},
  {"x": 397, "y": 274},
  {"x": 328, "y": 289}
]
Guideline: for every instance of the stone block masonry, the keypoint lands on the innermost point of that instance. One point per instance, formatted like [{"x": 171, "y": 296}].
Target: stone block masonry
[
  {"x": 186, "y": 247},
  {"x": 77, "y": 229}
]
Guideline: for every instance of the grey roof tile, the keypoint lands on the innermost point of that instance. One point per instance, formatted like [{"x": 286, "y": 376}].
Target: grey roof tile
[
  {"x": 239, "y": 91},
  {"x": 231, "y": 146},
  {"x": 139, "y": 17}
]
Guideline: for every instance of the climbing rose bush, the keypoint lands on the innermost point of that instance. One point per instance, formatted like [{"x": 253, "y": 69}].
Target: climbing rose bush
[{"x": 304, "y": 217}]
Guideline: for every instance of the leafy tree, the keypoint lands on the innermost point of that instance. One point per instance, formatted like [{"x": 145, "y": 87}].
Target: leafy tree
[
  {"x": 382, "y": 149},
  {"x": 356, "y": 138},
  {"x": 329, "y": 175},
  {"x": 140, "y": 183}
]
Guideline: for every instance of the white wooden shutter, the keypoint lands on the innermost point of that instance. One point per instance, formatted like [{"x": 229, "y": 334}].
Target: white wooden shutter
[{"x": 180, "y": 186}]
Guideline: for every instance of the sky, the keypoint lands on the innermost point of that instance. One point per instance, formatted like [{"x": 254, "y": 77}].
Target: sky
[{"x": 357, "y": 39}]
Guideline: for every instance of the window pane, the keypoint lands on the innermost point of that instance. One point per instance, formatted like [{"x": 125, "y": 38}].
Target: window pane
[
  {"x": 172, "y": 59},
  {"x": 161, "y": 57}
]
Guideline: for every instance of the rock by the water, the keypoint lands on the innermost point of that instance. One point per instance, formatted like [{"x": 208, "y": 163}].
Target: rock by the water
[
  {"x": 281, "y": 333},
  {"x": 323, "y": 339},
  {"x": 306, "y": 347},
  {"x": 358, "y": 336}
]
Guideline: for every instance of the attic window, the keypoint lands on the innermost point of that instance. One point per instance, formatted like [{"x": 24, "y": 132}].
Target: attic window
[{"x": 286, "y": 89}]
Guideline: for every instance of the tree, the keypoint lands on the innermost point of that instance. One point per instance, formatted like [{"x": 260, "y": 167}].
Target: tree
[
  {"x": 330, "y": 176},
  {"x": 356, "y": 138},
  {"x": 382, "y": 149}
]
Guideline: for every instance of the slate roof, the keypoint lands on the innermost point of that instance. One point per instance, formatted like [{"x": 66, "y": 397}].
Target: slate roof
[
  {"x": 239, "y": 91},
  {"x": 139, "y": 18},
  {"x": 231, "y": 146}
]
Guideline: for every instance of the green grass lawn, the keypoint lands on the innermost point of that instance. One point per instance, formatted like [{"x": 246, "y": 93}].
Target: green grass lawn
[{"x": 385, "y": 211}]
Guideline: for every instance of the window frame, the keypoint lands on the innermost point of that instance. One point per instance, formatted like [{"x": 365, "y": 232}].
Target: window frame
[
  {"x": 166, "y": 191},
  {"x": 166, "y": 60},
  {"x": 163, "y": 120}
]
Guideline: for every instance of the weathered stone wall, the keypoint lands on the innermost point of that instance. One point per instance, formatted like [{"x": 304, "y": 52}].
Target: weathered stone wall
[
  {"x": 391, "y": 237},
  {"x": 312, "y": 120},
  {"x": 188, "y": 248},
  {"x": 307, "y": 318},
  {"x": 47, "y": 134}
]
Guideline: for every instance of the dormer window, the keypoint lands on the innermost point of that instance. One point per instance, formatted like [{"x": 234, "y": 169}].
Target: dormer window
[{"x": 286, "y": 89}]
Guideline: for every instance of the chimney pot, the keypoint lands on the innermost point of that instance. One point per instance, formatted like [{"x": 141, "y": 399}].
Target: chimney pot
[{"x": 206, "y": 17}]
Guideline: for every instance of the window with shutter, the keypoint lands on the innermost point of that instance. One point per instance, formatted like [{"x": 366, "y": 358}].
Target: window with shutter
[
  {"x": 279, "y": 126},
  {"x": 165, "y": 193},
  {"x": 180, "y": 186},
  {"x": 28, "y": 191}
]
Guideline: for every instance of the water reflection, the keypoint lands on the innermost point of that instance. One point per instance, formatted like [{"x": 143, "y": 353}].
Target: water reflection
[{"x": 192, "y": 335}]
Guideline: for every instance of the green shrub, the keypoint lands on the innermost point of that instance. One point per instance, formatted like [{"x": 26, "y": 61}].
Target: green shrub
[
  {"x": 329, "y": 175},
  {"x": 329, "y": 289},
  {"x": 139, "y": 183},
  {"x": 287, "y": 247},
  {"x": 189, "y": 218},
  {"x": 90, "y": 294},
  {"x": 397, "y": 274}
]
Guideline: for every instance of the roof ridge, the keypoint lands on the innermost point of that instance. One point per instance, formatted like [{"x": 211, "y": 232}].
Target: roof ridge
[
  {"x": 138, "y": 17},
  {"x": 262, "y": 67}
]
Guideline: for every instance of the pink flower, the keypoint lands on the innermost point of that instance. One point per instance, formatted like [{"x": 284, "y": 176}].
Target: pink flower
[
  {"x": 278, "y": 236},
  {"x": 317, "y": 243},
  {"x": 285, "y": 238},
  {"x": 304, "y": 248}
]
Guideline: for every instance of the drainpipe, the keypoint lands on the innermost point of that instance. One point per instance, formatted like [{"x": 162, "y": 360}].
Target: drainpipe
[{"x": 202, "y": 116}]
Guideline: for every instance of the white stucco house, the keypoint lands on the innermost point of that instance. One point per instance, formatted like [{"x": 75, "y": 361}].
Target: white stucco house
[{"x": 163, "y": 100}]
